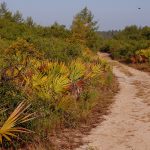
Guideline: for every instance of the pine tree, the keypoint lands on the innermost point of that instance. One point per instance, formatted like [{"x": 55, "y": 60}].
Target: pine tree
[{"x": 84, "y": 29}]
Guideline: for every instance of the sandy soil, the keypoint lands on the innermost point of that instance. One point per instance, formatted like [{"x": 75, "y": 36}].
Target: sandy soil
[{"x": 127, "y": 127}]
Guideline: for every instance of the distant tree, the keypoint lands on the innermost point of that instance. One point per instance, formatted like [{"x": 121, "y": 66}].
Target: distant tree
[
  {"x": 58, "y": 30},
  {"x": 146, "y": 32},
  {"x": 131, "y": 29},
  {"x": 3, "y": 9},
  {"x": 17, "y": 17},
  {"x": 84, "y": 28},
  {"x": 130, "y": 33},
  {"x": 108, "y": 34},
  {"x": 29, "y": 21},
  {"x": 4, "y": 12}
]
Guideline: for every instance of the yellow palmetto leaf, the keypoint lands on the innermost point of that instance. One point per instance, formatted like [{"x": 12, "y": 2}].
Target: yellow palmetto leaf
[
  {"x": 56, "y": 68},
  {"x": 96, "y": 70},
  {"x": 35, "y": 62},
  {"x": 9, "y": 128},
  {"x": 38, "y": 80},
  {"x": 45, "y": 92},
  {"x": 77, "y": 70},
  {"x": 60, "y": 83},
  {"x": 144, "y": 52},
  {"x": 63, "y": 69}
]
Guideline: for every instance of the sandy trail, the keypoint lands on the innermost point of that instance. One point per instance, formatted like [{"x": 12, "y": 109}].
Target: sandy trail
[{"x": 127, "y": 127}]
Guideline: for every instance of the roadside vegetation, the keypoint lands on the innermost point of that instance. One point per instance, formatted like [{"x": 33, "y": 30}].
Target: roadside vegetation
[
  {"x": 131, "y": 45},
  {"x": 50, "y": 77}
]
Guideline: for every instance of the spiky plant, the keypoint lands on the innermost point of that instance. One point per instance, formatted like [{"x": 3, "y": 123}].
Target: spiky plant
[
  {"x": 77, "y": 74},
  {"x": 53, "y": 82},
  {"x": 144, "y": 52},
  {"x": 60, "y": 83},
  {"x": 77, "y": 70},
  {"x": 53, "y": 88},
  {"x": 96, "y": 70},
  {"x": 12, "y": 125}
]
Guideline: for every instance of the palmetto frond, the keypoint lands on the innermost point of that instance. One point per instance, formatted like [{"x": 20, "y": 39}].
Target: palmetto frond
[
  {"x": 60, "y": 83},
  {"x": 44, "y": 92},
  {"x": 10, "y": 127},
  {"x": 56, "y": 68},
  {"x": 55, "y": 85},
  {"x": 144, "y": 52},
  {"x": 38, "y": 80},
  {"x": 77, "y": 70},
  {"x": 104, "y": 64},
  {"x": 96, "y": 70}
]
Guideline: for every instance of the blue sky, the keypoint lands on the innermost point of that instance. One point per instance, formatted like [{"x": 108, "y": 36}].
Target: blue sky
[{"x": 111, "y": 14}]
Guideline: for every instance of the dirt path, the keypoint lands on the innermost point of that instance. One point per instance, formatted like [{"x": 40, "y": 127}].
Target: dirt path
[{"x": 127, "y": 127}]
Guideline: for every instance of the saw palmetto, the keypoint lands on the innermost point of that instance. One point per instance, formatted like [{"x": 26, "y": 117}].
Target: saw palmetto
[{"x": 12, "y": 125}]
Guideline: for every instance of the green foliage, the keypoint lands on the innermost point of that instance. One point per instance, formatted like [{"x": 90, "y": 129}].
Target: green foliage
[
  {"x": 125, "y": 43},
  {"x": 53, "y": 68},
  {"x": 57, "y": 30},
  {"x": 58, "y": 49},
  {"x": 84, "y": 29},
  {"x": 144, "y": 52},
  {"x": 29, "y": 22},
  {"x": 10, "y": 30},
  {"x": 4, "y": 13},
  {"x": 17, "y": 17}
]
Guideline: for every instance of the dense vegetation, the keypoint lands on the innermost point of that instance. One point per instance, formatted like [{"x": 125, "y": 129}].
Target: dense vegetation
[
  {"x": 52, "y": 69},
  {"x": 129, "y": 45}
]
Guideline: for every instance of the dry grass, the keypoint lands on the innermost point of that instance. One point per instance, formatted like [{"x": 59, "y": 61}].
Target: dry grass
[
  {"x": 62, "y": 138},
  {"x": 69, "y": 139}
]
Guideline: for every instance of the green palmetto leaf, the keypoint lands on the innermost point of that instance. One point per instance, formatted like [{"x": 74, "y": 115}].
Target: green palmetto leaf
[
  {"x": 9, "y": 128},
  {"x": 44, "y": 92},
  {"x": 38, "y": 80},
  {"x": 54, "y": 85},
  {"x": 144, "y": 52},
  {"x": 55, "y": 68},
  {"x": 60, "y": 83},
  {"x": 77, "y": 70},
  {"x": 96, "y": 70}
]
